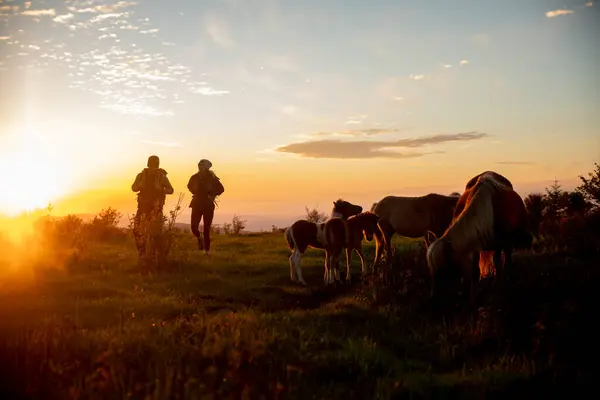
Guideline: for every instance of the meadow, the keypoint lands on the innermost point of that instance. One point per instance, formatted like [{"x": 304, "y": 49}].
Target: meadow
[{"x": 233, "y": 325}]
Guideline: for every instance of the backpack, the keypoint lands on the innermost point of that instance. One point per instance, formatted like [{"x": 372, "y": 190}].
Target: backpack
[{"x": 216, "y": 188}]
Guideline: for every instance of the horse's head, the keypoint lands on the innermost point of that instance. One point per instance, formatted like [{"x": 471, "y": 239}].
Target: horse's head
[
  {"x": 365, "y": 222},
  {"x": 344, "y": 209}
]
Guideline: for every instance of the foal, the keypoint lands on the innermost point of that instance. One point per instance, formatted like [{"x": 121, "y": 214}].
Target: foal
[
  {"x": 303, "y": 234},
  {"x": 340, "y": 234}
]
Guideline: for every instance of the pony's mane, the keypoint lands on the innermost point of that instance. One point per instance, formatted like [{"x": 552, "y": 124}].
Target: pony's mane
[{"x": 474, "y": 226}]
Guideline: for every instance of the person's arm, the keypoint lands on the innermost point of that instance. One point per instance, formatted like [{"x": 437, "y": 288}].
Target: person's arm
[
  {"x": 191, "y": 185},
  {"x": 168, "y": 188},
  {"x": 137, "y": 184}
]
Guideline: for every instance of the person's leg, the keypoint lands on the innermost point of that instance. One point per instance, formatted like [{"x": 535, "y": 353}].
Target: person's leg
[
  {"x": 209, "y": 213},
  {"x": 137, "y": 234},
  {"x": 195, "y": 222}
]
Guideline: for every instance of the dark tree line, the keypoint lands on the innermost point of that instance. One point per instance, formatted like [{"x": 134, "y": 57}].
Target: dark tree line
[{"x": 567, "y": 219}]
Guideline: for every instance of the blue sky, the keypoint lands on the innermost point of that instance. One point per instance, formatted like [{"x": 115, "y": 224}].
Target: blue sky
[{"x": 272, "y": 84}]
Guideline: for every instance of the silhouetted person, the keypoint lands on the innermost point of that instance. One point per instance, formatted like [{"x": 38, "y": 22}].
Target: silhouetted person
[
  {"x": 153, "y": 186},
  {"x": 205, "y": 186}
]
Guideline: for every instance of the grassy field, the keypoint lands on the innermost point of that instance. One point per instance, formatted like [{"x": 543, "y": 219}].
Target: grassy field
[{"x": 234, "y": 326}]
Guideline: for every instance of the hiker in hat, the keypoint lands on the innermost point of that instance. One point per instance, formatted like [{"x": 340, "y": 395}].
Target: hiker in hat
[
  {"x": 152, "y": 186},
  {"x": 205, "y": 187}
]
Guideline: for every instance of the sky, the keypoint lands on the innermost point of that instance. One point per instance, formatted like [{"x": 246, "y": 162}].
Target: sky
[{"x": 296, "y": 103}]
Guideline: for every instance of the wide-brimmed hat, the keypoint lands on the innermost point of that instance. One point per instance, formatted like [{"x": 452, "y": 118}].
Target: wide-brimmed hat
[{"x": 205, "y": 163}]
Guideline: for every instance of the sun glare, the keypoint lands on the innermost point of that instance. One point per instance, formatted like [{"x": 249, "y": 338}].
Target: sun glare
[{"x": 32, "y": 178}]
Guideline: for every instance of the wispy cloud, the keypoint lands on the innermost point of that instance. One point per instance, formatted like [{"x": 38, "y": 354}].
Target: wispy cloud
[
  {"x": 339, "y": 149},
  {"x": 515, "y": 162},
  {"x": 164, "y": 144},
  {"x": 361, "y": 132},
  {"x": 567, "y": 11},
  {"x": 557, "y": 13},
  {"x": 218, "y": 29},
  {"x": 103, "y": 8},
  {"x": 464, "y": 62},
  {"x": 39, "y": 13},
  {"x": 120, "y": 60},
  {"x": 208, "y": 91},
  {"x": 357, "y": 120}
]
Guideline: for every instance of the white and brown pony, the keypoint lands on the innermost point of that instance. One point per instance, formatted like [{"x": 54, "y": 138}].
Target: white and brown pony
[
  {"x": 347, "y": 234},
  {"x": 490, "y": 216},
  {"x": 303, "y": 234},
  {"x": 412, "y": 217}
]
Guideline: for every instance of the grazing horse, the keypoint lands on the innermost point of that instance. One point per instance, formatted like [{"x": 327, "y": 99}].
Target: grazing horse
[
  {"x": 490, "y": 216},
  {"x": 303, "y": 234},
  {"x": 340, "y": 234},
  {"x": 411, "y": 217}
]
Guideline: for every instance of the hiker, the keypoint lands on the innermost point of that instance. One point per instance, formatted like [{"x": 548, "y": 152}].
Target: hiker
[
  {"x": 205, "y": 187},
  {"x": 152, "y": 186}
]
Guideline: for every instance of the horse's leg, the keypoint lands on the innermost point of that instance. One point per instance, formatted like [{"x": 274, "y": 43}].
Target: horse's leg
[
  {"x": 379, "y": 245},
  {"x": 293, "y": 277},
  {"x": 498, "y": 266},
  {"x": 336, "y": 266},
  {"x": 297, "y": 261},
  {"x": 348, "y": 263},
  {"x": 474, "y": 275},
  {"x": 326, "y": 273}
]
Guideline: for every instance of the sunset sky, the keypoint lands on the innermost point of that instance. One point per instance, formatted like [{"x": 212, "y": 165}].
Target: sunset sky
[{"x": 295, "y": 102}]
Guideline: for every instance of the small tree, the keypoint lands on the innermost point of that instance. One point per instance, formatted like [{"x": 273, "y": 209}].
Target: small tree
[
  {"x": 590, "y": 187},
  {"x": 315, "y": 216},
  {"x": 555, "y": 201},
  {"x": 576, "y": 203},
  {"x": 226, "y": 228},
  {"x": 535, "y": 204},
  {"x": 238, "y": 225}
]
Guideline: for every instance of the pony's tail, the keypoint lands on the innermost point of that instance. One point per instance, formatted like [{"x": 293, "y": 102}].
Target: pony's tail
[{"x": 289, "y": 238}]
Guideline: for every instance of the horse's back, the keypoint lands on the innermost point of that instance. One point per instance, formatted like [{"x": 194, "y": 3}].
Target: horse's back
[
  {"x": 305, "y": 234},
  {"x": 414, "y": 216},
  {"x": 494, "y": 176}
]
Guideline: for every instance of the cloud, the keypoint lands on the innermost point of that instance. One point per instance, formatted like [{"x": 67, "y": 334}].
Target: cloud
[
  {"x": 164, "y": 144},
  {"x": 218, "y": 29},
  {"x": 416, "y": 77},
  {"x": 63, "y": 19},
  {"x": 361, "y": 132},
  {"x": 515, "y": 162},
  {"x": 39, "y": 13},
  {"x": 338, "y": 149},
  {"x": 208, "y": 91},
  {"x": 464, "y": 62},
  {"x": 559, "y": 12},
  {"x": 120, "y": 60},
  {"x": 104, "y": 8},
  {"x": 357, "y": 120}
]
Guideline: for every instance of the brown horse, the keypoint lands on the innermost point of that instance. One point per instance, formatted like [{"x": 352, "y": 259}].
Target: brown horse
[
  {"x": 492, "y": 217},
  {"x": 340, "y": 234},
  {"x": 303, "y": 234},
  {"x": 411, "y": 217}
]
